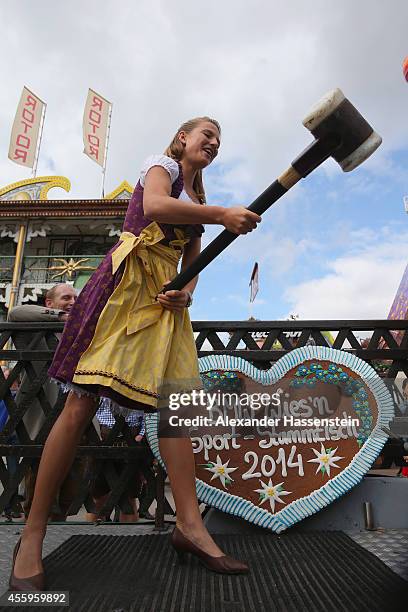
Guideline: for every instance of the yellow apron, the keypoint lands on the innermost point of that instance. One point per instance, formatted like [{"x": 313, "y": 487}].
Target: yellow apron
[{"x": 140, "y": 349}]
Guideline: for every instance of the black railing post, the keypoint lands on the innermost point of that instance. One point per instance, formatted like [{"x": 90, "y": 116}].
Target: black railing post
[{"x": 160, "y": 495}]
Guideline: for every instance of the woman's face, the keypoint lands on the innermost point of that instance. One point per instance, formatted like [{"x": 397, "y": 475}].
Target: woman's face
[{"x": 201, "y": 144}]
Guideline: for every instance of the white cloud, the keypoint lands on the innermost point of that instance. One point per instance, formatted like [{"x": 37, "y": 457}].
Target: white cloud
[
  {"x": 277, "y": 255},
  {"x": 358, "y": 285},
  {"x": 258, "y": 69}
]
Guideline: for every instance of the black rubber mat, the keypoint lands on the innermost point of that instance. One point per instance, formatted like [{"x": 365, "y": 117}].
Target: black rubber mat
[{"x": 318, "y": 571}]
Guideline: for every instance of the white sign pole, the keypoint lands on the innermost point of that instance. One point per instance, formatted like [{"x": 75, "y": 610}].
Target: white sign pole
[
  {"x": 106, "y": 151},
  {"x": 37, "y": 155}
]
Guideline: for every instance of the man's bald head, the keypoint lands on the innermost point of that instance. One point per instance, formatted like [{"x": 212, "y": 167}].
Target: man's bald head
[{"x": 61, "y": 297}]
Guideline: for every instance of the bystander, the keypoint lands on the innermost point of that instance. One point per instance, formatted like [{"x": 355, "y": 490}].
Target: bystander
[{"x": 142, "y": 482}]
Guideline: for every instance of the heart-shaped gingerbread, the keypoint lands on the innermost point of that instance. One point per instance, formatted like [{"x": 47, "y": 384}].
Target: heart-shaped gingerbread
[{"x": 279, "y": 445}]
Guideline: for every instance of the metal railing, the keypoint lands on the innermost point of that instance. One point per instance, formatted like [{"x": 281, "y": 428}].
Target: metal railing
[
  {"x": 385, "y": 347},
  {"x": 6, "y": 268},
  {"x": 57, "y": 268}
]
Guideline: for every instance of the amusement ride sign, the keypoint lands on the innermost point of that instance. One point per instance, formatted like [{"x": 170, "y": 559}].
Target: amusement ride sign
[
  {"x": 26, "y": 129},
  {"x": 276, "y": 446}
]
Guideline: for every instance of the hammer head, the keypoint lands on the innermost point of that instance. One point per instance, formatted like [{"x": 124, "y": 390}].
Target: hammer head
[{"x": 335, "y": 115}]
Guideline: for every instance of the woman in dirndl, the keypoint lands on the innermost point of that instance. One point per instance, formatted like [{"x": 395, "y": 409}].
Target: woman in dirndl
[{"x": 126, "y": 338}]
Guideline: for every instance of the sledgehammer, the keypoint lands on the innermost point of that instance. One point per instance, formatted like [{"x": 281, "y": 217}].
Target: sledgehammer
[{"x": 340, "y": 132}]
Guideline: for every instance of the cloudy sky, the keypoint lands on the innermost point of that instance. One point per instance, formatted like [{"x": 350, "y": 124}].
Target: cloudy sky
[{"x": 336, "y": 246}]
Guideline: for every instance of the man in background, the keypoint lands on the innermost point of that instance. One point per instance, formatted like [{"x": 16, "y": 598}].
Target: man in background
[
  {"x": 100, "y": 489},
  {"x": 58, "y": 303}
]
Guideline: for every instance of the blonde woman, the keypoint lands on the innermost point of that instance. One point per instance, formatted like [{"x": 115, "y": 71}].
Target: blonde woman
[{"x": 125, "y": 338}]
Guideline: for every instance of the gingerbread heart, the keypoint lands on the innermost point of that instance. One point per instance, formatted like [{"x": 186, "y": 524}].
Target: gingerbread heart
[{"x": 275, "y": 446}]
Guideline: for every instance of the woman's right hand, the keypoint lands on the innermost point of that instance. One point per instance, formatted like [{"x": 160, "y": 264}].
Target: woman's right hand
[{"x": 240, "y": 220}]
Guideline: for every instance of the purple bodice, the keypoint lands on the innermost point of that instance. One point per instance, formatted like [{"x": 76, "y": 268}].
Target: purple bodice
[
  {"x": 84, "y": 316},
  {"x": 136, "y": 221}
]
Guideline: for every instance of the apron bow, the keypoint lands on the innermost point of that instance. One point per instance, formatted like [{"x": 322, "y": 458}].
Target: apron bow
[{"x": 152, "y": 234}]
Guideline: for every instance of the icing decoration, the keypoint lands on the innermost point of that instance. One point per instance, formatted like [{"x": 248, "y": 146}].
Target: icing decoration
[{"x": 276, "y": 480}]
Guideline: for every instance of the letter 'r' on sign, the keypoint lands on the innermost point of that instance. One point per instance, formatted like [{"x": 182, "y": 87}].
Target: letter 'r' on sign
[{"x": 98, "y": 102}]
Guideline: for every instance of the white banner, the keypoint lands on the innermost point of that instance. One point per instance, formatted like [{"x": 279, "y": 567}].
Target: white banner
[
  {"x": 26, "y": 129},
  {"x": 95, "y": 127},
  {"x": 254, "y": 283}
]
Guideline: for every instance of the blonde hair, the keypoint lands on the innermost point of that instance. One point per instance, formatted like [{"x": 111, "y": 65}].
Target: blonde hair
[{"x": 175, "y": 151}]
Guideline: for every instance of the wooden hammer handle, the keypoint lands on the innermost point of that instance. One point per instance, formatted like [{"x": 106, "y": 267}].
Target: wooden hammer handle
[{"x": 308, "y": 160}]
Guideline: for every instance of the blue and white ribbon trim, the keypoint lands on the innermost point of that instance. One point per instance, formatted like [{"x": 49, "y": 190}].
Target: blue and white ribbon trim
[{"x": 333, "y": 488}]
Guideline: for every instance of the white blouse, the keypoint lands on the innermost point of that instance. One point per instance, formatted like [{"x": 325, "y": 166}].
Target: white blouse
[
  {"x": 165, "y": 162},
  {"x": 168, "y": 164}
]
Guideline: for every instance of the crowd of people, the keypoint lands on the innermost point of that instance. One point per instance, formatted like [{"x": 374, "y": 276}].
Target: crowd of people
[{"x": 140, "y": 489}]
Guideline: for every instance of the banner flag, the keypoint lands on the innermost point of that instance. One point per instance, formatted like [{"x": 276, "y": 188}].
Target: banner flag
[
  {"x": 95, "y": 127},
  {"x": 254, "y": 283},
  {"x": 399, "y": 308},
  {"x": 26, "y": 129}
]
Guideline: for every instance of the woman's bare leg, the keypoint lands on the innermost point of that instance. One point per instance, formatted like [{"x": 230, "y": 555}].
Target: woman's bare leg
[
  {"x": 57, "y": 458},
  {"x": 177, "y": 453}
]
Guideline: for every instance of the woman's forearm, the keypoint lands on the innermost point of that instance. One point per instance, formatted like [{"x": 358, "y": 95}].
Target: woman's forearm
[
  {"x": 191, "y": 285},
  {"x": 166, "y": 209},
  {"x": 191, "y": 252},
  {"x": 158, "y": 205}
]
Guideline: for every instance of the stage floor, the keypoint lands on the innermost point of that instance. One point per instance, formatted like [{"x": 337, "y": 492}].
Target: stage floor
[{"x": 130, "y": 568}]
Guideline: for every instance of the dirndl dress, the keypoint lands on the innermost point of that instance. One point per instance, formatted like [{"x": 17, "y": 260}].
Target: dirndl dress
[{"x": 118, "y": 342}]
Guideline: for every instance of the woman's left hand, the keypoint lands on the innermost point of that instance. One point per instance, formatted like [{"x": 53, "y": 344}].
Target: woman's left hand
[{"x": 174, "y": 300}]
